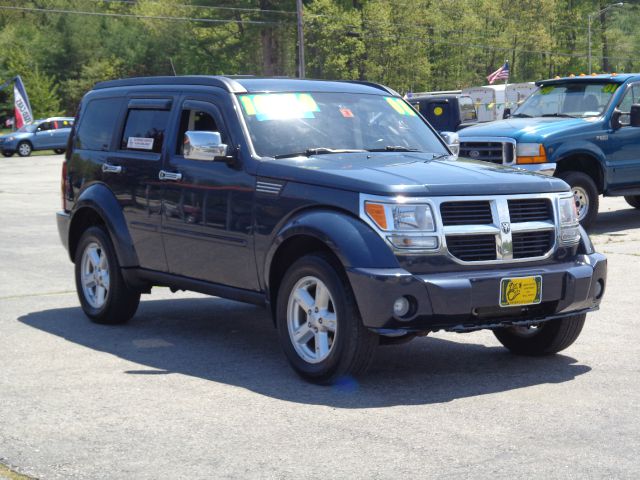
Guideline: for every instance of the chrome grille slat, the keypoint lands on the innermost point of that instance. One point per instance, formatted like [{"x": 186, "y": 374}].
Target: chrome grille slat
[{"x": 494, "y": 150}]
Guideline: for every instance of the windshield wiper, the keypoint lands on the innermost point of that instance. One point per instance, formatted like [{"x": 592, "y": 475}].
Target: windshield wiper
[
  {"x": 393, "y": 148},
  {"x": 317, "y": 151},
  {"x": 520, "y": 115},
  {"x": 564, "y": 115}
]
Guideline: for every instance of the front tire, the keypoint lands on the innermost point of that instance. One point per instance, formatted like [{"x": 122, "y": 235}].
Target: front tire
[
  {"x": 59, "y": 151},
  {"x": 8, "y": 154},
  {"x": 585, "y": 194},
  {"x": 633, "y": 200},
  {"x": 24, "y": 149},
  {"x": 318, "y": 322},
  {"x": 104, "y": 295},
  {"x": 544, "y": 339}
]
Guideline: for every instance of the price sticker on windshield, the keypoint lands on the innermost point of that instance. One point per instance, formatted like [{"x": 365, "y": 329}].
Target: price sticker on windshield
[
  {"x": 279, "y": 106},
  {"x": 400, "y": 107}
]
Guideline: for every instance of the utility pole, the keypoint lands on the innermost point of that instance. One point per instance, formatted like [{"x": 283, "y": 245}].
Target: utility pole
[
  {"x": 600, "y": 12},
  {"x": 300, "y": 40}
]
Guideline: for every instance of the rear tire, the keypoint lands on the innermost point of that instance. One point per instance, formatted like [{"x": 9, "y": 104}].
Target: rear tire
[
  {"x": 633, "y": 200},
  {"x": 103, "y": 293},
  {"x": 24, "y": 149},
  {"x": 318, "y": 322},
  {"x": 586, "y": 196},
  {"x": 545, "y": 339}
]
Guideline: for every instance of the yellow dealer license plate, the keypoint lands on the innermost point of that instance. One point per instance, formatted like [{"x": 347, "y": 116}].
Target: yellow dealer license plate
[{"x": 520, "y": 291}]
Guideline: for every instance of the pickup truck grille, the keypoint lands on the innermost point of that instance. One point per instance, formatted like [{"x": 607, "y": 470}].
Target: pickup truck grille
[
  {"x": 489, "y": 150},
  {"x": 481, "y": 230}
]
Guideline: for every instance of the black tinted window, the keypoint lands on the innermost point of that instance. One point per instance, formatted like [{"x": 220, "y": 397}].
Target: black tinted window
[
  {"x": 144, "y": 130},
  {"x": 97, "y": 123}
]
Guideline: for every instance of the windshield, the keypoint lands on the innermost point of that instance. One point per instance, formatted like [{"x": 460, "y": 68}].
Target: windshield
[
  {"x": 467, "y": 110},
  {"x": 27, "y": 128},
  {"x": 570, "y": 99},
  {"x": 284, "y": 124}
]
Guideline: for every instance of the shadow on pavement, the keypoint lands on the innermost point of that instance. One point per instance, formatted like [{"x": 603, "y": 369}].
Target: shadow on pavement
[
  {"x": 616, "y": 221},
  {"x": 236, "y": 344}
]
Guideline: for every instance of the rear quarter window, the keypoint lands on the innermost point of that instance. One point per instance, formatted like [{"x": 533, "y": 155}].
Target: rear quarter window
[{"x": 95, "y": 129}]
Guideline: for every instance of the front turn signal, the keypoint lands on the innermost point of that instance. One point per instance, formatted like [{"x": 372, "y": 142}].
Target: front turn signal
[{"x": 376, "y": 212}]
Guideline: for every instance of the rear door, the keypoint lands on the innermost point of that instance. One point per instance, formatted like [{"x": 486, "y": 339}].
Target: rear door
[
  {"x": 60, "y": 133},
  {"x": 132, "y": 171},
  {"x": 207, "y": 206}
]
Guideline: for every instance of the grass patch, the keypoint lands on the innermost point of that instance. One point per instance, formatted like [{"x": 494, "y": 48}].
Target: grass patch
[{"x": 6, "y": 472}]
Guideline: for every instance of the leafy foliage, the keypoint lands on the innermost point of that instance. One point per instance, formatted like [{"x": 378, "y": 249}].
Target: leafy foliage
[{"x": 410, "y": 45}]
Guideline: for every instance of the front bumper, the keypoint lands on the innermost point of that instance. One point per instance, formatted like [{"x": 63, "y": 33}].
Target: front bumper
[
  {"x": 470, "y": 300},
  {"x": 544, "y": 168}
]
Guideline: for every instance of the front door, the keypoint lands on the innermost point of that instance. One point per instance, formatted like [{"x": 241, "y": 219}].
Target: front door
[
  {"x": 623, "y": 145},
  {"x": 207, "y": 206}
]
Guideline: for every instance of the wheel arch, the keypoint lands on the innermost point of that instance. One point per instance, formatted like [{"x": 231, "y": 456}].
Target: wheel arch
[
  {"x": 345, "y": 238},
  {"x": 586, "y": 163},
  {"x": 97, "y": 205}
]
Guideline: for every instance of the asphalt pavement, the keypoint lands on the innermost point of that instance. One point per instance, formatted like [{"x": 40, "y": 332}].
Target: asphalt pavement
[{"x": 197, "y": 387}]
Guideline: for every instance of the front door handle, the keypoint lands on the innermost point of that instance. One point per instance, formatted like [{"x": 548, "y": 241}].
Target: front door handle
[
  {"x": 108, "y": 168},
  {"x": 169, "y": 176}
]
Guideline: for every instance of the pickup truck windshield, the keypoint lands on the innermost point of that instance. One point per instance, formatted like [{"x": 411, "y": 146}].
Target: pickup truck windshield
[
  {"x": 570, "y": 99},
  {"x": 282, "y": 124}
]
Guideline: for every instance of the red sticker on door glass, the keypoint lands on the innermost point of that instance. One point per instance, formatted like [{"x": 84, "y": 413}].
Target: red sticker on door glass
[{"x": 346, "y": 113}]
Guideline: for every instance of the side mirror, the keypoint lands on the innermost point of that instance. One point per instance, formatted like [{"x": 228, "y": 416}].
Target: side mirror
[
  {"x": 616, "y": 119},
  {"x": 205, "y": 146},
  {"x": 634, "y": 115},
  {"x": 506, "y": 113},
  {"x": 452, "y": 140}
]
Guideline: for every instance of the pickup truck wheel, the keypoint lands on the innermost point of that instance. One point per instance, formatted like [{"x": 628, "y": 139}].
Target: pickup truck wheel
[
  {"x": 24, "y": 149},
  {"x": 585, "y": 194},
  {"x": 104, "y": 296},
  {"x": 319, "y": 325},
  {"x": 544, "y": 339},
  {"x": 633, "y": 200}
]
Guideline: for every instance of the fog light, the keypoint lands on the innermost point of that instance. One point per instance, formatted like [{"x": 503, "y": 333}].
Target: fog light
[
  {"x": 598, "y": 290},
  {"x": 401, "y": 306}
]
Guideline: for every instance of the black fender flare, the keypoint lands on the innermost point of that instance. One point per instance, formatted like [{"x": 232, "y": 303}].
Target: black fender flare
[
  {"x": 352, "y": 241},
  {"x": 99, "y": 198}
]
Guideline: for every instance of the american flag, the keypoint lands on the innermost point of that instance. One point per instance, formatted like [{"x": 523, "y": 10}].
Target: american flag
[{"x": 501, "y": 74}]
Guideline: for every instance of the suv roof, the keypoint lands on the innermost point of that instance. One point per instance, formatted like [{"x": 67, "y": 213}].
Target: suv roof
[
  {"x": 613, "y": 77},
  {"x": 247, "y": 84}
]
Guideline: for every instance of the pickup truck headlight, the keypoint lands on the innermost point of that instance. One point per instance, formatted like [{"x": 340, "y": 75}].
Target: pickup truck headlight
[
  {"x": 569, "y": 225},
  {"x": 527, "y": 153},
  {"x": 407, "y": 225}
]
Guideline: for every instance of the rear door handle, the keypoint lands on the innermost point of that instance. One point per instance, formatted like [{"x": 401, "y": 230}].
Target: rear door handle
[
  {"x": 169, "y": 176},
  {"x": 108, "y": 168}
]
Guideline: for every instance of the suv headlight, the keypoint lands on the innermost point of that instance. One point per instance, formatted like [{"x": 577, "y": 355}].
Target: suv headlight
[
  {"x": 569, "y": 225},
  {"x": 405, "y": 225}
]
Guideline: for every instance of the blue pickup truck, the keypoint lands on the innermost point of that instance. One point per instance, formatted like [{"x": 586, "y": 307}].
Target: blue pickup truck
[{"x": 583, "y": 130}]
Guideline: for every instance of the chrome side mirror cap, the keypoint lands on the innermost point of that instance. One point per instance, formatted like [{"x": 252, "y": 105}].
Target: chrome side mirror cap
[
  {"x": 453, "y": 142},
  {"x": 206, "y": 146}
]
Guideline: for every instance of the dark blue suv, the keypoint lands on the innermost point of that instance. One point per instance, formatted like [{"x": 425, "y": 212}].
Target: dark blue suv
[{"x": 333, "y": 204}]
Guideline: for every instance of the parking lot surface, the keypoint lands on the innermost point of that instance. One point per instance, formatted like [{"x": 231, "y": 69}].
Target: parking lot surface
[{"x": 197, "y": 387}]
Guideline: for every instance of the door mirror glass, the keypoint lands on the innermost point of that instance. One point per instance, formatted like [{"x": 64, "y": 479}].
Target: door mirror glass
[
  {"x": 506, "y": 113},
  {"x": 205, "y": 146},
  {"x": 453, "y": 141}
]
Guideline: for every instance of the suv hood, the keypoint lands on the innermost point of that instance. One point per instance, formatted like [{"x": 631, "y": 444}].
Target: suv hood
[
  {"x": 524, "y": 129},
  {"x": 408, "y": 173}
]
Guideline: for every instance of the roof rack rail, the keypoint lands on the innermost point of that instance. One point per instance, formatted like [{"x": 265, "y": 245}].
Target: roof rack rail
[{"x": 226, "y": 83}]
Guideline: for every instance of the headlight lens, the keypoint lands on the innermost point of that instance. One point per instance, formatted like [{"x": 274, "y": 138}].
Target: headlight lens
[
  {"x": 405, "y": 224},
  {"x": 530, "y": 153},
  {"x": 11, "y": 139},
  {"x": 569, "y": 226}
]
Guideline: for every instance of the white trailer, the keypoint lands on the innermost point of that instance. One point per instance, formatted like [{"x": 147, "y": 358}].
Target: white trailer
[{"x": 491, "y": 100}]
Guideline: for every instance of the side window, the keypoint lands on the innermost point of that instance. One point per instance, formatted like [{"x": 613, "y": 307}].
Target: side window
[
  {"x": 630, "y": 97},
  {"x": 96, "y": 124},
  {"x": 194, "y": 120},
  {"x": 43, "y": 127},
  {"x": 144, "y": 130}
]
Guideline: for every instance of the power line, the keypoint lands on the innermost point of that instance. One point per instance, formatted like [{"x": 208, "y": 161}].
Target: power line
[{"x": 208, "y": 7}]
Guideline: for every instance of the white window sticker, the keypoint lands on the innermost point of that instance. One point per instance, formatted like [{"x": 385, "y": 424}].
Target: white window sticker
[{"x": 140, "y": 143}]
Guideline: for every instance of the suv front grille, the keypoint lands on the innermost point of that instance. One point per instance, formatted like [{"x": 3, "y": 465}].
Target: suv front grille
[
  {"x": 481, "y": 231},
  {"x": 530, "y": 210},
  {"x": 472, "y": 248},
  {"x": 493, "y": 151},
  {"x": 466, "y": 213},
  {"x": 532, "y": 244}
]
